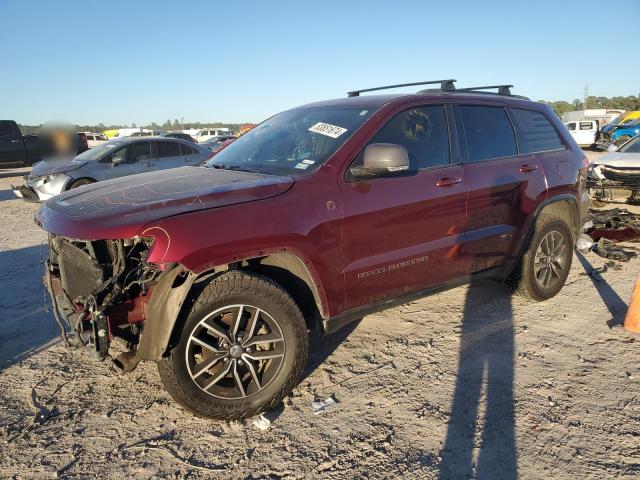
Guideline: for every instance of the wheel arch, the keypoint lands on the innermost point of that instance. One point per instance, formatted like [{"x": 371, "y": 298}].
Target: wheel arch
[
  {"x": 178, "y": 288},
  {"x": 563, "y": 206},
  {"x": 70, "y": 183}
]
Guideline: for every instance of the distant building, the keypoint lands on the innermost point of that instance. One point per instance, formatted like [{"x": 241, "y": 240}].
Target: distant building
[{"x": 601, "y": 115}]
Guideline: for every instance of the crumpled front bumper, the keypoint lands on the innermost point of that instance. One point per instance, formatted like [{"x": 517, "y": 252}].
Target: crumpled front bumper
[
  {"x": 26, "y": 193},
  {"x": 41, "y": 188}
]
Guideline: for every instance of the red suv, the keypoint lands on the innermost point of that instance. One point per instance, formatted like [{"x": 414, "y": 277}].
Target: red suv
[{"x": 314, "y": 218}]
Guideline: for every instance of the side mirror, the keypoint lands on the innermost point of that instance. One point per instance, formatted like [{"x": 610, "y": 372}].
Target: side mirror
[
  {"x": 385, "y": 159},
  {"x": 115, "y": 161}
]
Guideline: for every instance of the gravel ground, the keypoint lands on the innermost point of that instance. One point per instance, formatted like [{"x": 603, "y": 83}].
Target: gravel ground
[{"x": 470, "y": 383}]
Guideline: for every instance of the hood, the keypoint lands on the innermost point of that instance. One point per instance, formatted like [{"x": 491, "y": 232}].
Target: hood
[
  {"x": 54, "y": 165},
  {"x": 619, "y": 160},
  {"x": 118, "y": 208}
]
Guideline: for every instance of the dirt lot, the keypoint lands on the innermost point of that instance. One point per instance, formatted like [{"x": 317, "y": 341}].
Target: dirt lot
[{"x": 471, "y": 383}]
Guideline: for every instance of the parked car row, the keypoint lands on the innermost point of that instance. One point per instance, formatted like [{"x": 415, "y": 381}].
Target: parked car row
[
  {"x": 195, "y": 135},
  {"x": 618, "y": 134},
  {"x": 589, "y": 133}
]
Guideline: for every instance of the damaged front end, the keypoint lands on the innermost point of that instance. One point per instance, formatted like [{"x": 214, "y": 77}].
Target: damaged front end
[{"x": 102, "y": 290}]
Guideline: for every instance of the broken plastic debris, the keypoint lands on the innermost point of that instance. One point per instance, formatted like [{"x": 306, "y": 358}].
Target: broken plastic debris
[
  {"x": 607, "y": 249},
  {"x": 323, "y": 405},
  {"x": 584, "y": 243},
  {"x": 261, "y": 422}
]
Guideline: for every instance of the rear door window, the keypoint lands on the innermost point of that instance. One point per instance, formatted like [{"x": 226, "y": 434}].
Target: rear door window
[
  {"x": 537, "y": 134},
  {"x": 488, "y": 132},
  {"x": 168, "y": 149}
]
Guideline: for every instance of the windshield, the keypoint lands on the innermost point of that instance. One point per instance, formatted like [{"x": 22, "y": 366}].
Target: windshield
[
  {"x": 292, "y": 142},
  {"x": 96, "y": 152},
  {"x": 632, "y": 146}
]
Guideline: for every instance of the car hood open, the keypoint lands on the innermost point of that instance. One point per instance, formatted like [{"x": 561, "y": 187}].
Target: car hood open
[
  {"x": 619, "y": 160},
  {"x": 118, "y": 208}
]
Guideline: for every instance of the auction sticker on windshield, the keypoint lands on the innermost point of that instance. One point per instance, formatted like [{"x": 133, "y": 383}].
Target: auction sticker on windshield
[{"x": 327, "y": 129}]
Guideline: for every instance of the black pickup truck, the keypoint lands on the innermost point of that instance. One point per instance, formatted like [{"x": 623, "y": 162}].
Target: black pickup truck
[{"x": 16, "y": 149}]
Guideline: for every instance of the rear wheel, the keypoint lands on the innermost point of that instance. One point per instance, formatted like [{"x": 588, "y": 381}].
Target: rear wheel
[
  {"x": 546, "y": 262},
  {"x": 80, "y": 182},
  {"x": 240, "y": 350}
]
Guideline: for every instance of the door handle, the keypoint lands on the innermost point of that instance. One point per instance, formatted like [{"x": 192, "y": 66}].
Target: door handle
[
  {"x": 446, "y": 181},
  {"x": 528, "y": 168},
  {"x": 15, "y": 141},
  {"x": 148, "y": 164}
]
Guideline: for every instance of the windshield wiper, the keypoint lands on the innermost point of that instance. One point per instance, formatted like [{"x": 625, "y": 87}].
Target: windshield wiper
[{"x": 237, "y": 168}]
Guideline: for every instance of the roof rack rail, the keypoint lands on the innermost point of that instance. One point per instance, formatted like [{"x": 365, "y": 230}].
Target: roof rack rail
[
  {"x": 502, "y": 89},
  {"x": 445, "y": 85}
]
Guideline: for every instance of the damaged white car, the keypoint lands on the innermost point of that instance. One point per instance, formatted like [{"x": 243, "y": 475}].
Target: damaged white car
[{"x": 621, "y": 165}]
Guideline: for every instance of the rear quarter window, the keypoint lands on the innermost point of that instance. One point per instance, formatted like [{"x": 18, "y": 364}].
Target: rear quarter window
[
  {"x": 488, "y": 132},
  {"x": 537, "y": 134}
]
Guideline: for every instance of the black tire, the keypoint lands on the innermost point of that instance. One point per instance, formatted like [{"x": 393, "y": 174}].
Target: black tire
[
  {"x": 526, "y": 279},
  {"x": 217, "y": 303},
  {"x": 80, "y": 182}
]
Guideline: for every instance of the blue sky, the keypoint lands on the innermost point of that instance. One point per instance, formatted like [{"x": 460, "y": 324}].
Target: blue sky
[{"x": 241, "y": 61}]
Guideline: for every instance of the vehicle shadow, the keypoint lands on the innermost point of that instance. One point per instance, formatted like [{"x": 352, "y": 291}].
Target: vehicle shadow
[
  {"x": 26, "y": 327},
  {"x": 12, "y": 173},
  {"x": 322, "y": 346},
  {"x": 616, "y": 305},
  {"x": 480, "y": 441},
  {"x": 7, "y": 195}
]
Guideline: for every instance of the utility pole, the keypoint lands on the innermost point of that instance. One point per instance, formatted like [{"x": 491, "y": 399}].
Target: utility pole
[{"x": 586, "y": 94}]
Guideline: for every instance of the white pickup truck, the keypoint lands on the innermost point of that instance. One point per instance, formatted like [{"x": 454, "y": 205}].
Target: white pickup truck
[{"x": 584, "y": 132}]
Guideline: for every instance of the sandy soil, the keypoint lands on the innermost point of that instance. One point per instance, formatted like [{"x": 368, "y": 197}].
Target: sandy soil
[{"x": 471, "y": 383}]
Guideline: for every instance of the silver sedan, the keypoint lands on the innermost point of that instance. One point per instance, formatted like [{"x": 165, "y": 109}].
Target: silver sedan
[{"x": 117, "y": 158}]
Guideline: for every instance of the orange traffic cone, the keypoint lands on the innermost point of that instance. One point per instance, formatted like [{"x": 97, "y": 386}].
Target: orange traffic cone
[{"x": 632, "y": 320}]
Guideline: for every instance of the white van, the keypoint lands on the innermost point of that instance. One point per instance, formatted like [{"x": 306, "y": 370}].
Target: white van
[
  {"x": 207, "y": 133},
  {"x": 584, "y": 132},
  {"x": 95, "y": 139}
]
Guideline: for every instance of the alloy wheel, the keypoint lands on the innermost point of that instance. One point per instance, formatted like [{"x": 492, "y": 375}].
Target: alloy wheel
[
  {"x": 235, "y": 352},
  {"x": 550, "y": 260}
]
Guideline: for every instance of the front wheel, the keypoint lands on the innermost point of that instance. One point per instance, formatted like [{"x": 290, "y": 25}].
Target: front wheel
[
  {"x": 80, "y": 182},
  {"x": 546, "y": 262},
  {"x": 240, "y": 349}
]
